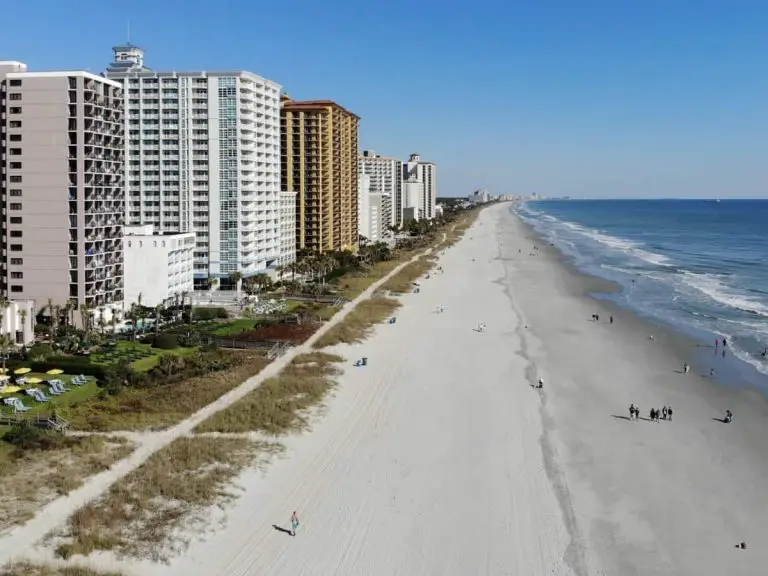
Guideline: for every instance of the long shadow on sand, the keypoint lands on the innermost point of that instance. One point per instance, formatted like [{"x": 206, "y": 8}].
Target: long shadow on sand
[
  {"x": 630, "y": 419},
  {"x": 281, "y": 529},
  {"x": 721, "y": 420}
]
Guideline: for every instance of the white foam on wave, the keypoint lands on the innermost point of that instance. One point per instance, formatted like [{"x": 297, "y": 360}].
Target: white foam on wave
[
  {"x": 628, "y": 247},
  {"x": 713, "y": 287}
]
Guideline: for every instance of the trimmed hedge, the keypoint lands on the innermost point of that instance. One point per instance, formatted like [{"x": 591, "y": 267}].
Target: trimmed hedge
[
  {"x": 203, "y": 313},
  {"x": 165, "y": 341},
  {"x": 72, "y": 366}
]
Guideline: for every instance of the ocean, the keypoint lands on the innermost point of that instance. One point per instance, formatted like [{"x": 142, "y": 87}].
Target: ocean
[{"x": 699, "y": 265}]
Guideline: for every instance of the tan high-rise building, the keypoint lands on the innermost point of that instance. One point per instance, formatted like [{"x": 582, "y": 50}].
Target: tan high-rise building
[
  {"x": 319, "y": 142},
  {"x": 61, "y": 140}
]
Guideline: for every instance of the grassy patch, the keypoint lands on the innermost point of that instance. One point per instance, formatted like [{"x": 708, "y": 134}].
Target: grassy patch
[
  {"x": 75, "y": 395},
  {"x": 34, "y": 478},
  {"x": 143, "y": 513},
  {"x": 355, "y": 283},
  {"x": 358, "y": 324},
  {"x": 27, "y": 569},
  {"x": 234, "y": 327},
  {"x": 161, "y": 405},
  {"x": 280, "y": 404},
  {"x": 402, "y": 282},
  {"x": 142, "y": 357}
]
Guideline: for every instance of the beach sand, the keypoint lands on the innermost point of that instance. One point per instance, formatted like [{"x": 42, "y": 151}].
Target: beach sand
[
  {"x": 440, "y": 457},
  {"x": 427, "y": 461}
]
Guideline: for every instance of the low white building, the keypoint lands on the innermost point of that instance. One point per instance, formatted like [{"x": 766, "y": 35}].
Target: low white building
[
  {"x": 287, "y": 228},
  {"x": 364, "y": 206},
  {"x": 157, "y": 266},
  {"x": 379, "y": 216},
  {"x": 18, "y": 320}
]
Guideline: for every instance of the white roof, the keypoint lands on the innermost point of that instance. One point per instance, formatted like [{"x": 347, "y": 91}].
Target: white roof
[{"x": 59, "y": 73}]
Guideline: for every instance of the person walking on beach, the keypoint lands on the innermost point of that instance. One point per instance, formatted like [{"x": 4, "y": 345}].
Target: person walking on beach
[
  {"x": 611, "y": 319},
  {"x": 711, "y": 372},
  {"x": 664, "y": 413},
  {"x": 686, "y": 368},
  {"x": 540, "y": 383},
  {"x": 294, "y": 523},
  {"x": 669, "y": 413}
]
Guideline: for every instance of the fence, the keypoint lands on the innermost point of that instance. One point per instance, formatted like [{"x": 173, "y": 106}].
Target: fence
[{"x": 47, "y": 421}]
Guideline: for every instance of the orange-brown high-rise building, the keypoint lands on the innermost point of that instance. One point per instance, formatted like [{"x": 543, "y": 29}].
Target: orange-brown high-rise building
[{"x": 319, "y": 142}]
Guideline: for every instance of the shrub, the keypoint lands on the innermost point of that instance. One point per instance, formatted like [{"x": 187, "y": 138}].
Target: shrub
[
  {"x": 165, "y": 341},
  {"x": 209, "y": 313},
  {"x": 189, "y": 339},
  {"x": 24, "y": 437},
  {"x": 70, "y": 365},
  {"x": 40, "y": 353}
]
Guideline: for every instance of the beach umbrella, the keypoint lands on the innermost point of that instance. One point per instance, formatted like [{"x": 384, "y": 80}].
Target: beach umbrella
[
  {"x": 55, "y": 372},
  {"x": 10, "y": 390},
  {"x": 33, "y": 380},
  {"x": 4, "y": 377},
  {"x": 22, "y": 371}
]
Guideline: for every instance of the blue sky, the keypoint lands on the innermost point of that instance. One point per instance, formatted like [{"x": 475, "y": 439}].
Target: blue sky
[{"x": 608, "y": 98}]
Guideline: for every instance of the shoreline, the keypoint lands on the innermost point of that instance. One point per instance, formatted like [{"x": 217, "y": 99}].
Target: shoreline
[
  {"x": 687, "y": 343},
  {"x": 667, "y": 498}
]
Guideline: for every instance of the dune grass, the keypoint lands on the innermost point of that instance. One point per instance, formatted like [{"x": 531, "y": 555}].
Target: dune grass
[
  {"x": 28, "y": 569},
  {"x": 32, "y": 478},
  {"x": 142, "y": 514},
  {"x": 359, "y": 323},
  {"x": 280, "y": 404},
  {"x": 160, "y": 406},
  {"x": 402, "y": 282}
]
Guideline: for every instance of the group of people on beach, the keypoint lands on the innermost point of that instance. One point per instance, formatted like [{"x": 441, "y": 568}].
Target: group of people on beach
[{"x": 653, "y": 415}]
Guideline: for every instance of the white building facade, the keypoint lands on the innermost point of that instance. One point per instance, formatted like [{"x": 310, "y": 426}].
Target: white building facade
[
  {"x": 203, "y": 156},
  {"x": 288, "y": 224},
  {"x": 157, "y": 266},
  {"x": 386, "y": 177},
  {"x": 379, "y": 216},
  {"x": 419, "y": 188},
  {"x": 364, "y": 206},
  {"x": 18, "y": 321}
]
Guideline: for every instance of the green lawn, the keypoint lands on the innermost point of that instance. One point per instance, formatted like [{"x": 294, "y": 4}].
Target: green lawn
[
  {"x": 75, "y": 395},
  {"x": 234, "y": 327},
  {"x": 141, "y": 356}
]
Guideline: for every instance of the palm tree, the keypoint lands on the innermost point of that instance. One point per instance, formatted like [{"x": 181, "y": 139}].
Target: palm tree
[
  {"x": 236, "y": 278},
  {"x": 85, "y": 319},
  {"x": 134, "y": 317},
  {"x": 158, "y": 311},
  {"x": 102, "y": 321},
  {"x": 6, "y": 345},
  {"x": 23, "y": 321}
]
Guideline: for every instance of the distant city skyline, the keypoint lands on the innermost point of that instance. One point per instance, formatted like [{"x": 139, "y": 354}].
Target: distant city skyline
[{"x": 601, "y": 100}]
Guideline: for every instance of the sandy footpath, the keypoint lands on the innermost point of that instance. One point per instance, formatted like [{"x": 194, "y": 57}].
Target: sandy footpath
[
  {"x": 428, "y": 461},
  {"x": 670, "y": 498}
]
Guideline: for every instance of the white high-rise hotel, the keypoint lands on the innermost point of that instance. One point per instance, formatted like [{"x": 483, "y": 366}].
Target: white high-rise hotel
[
  {"x": 411, "y": 185},
  {"x": 203, "y": 156}
]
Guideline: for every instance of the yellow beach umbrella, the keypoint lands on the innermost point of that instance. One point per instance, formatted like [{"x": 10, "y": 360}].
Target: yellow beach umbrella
[
  {"x": 20, "y": 371},
  {"x": 11, "y": 390},
  {"x": 4, "y": 377},
  {"x": 55, "y": 372},
  {"x": 33, "y": 380},
  {"x": 3, "y": 370}
]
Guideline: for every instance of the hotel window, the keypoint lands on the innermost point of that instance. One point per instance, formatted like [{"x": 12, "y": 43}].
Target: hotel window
[
  {"x": 15, "y": 206},
  {"x": 16, "y": 234},
  {"x": 15, "y": 83},
  {"x": 15, "y": 137},
  {"x": 14, "y": 96},
  {"x": 15, "y": 179},
  {"x": 17, "y": 261},
  {"x": 15, "y": 123},
  {"x": 16, "y": 247},
  {"x": 15, "y": 165},
  {"x": 14, "y": 110},
  {"x": 17, "y": 289},
  {"x": 17, "y": 275}
]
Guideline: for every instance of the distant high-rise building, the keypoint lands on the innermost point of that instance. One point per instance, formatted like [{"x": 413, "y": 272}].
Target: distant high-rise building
[
  {"x": 61, "y": 160},
  {"x": 203, "y": 156},
  {"x": 319, "y": 161},
  {"x": 419, "y": 188},
  {"x": 287, "y": 227},
  {"x": 386, "y": 177},
  {"x": 379, "y": 216}
]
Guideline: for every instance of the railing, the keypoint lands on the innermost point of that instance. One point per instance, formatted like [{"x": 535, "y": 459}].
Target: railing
[{"x": 47, "y": 421}]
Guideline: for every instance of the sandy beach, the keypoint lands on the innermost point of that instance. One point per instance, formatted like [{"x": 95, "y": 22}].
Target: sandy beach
[{"x": 440, "y": 457}]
